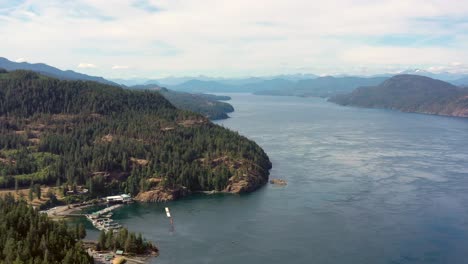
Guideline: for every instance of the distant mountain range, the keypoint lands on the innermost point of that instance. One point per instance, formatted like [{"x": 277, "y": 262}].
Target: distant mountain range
[
  {"x": 410, "y": 93},
  {"x": 323, "y": 86},
  {"x": 287, "y": 85},
  {"x": 461, "y": 82},
  {"x": 444, "y": 76},
  {"x": 50, "y": 71},
  {"x": 291, "y": 85},
  {"x": 174, "y": 81},
  {"x": 270, "y": 83},
  {"x": 320, "y": 86}
]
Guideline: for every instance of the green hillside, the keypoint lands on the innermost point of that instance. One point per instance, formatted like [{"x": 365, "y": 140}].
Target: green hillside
[{"x": 116, "y": 140}]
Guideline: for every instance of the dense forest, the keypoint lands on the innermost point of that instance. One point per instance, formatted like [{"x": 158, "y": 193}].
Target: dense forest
[
  {"x": 410, "y": 93},
  {"x": 208, "y": 105},
  {"x": 124, "y": 240},
  {"x": 115, "y": 140},
  {"x": 29, "y": 237}
]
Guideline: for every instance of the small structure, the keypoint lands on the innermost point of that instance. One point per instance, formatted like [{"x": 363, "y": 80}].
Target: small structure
[
  {"x": 123, "y": 198},
  {"x": 119, "y": 252}
]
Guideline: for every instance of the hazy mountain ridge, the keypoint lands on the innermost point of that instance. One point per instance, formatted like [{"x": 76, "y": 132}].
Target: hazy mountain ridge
[
  {"x": 461, "y": 82},
  {"x": 238, "y": 81},
  {"x": 410, "y": 93},
  {"x": 50, "y": 71},
  {"x": 323, "y": 86},
  {"x": 202, "y": 86},
  {"x": 443, "y": 76},
  {"x": 289, "y": 84},
  {"x": 208, "y": 105}
]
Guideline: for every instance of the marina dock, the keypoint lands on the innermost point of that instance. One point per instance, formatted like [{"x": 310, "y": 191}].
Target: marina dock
[{"x": 101, "y": 219}]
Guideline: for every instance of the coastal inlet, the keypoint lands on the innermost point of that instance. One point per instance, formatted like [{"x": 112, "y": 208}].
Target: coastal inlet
[{"x": 101, "y": 219}]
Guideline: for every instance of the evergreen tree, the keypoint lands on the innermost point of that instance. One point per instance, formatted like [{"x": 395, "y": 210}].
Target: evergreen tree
[
  {"x": 101, "y": 245},
  {"x": 31, "y": 193},
  {"x": 27, "y": 236},
  {"x": 37, "y": 190}
]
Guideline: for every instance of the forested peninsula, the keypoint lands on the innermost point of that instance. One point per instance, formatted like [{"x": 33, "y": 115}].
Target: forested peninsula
[
  {"x": 208, "y": 105},
  {"x": 410, "y": 93},
  {"x": 113, "y": 140}
]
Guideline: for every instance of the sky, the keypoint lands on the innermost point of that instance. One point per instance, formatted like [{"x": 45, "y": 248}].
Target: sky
[{"x": 234, "y": 38}]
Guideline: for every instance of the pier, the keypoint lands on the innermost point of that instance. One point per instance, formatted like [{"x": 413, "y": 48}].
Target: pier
[{"x": 101, "y": 219}]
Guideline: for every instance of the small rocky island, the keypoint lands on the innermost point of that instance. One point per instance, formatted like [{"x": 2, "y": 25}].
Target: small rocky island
[{"x": 278, "y": 182}]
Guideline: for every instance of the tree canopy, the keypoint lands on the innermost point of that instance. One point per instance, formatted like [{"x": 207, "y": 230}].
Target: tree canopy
[
  {"x": 113, "y": 140},
  {"x": 29, "y": 237}
]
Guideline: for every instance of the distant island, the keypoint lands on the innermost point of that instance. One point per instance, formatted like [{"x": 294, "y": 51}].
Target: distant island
[
  {"x": 112, "y": 140},
  {"x": 208, "y": 105},
  {"x": 410, "y": 93}
]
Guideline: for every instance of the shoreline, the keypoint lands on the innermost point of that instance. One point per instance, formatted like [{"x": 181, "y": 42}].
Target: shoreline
[
  {"x": 67, "y": 211},
  {"x": 112, "y": 255},
  {"x": 104, "y": 256}
]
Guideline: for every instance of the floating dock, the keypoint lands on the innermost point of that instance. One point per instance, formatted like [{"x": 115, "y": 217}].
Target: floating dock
[{"x": 101, "y": 219}]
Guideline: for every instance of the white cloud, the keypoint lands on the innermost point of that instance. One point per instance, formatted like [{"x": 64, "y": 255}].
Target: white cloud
[
  {"x": 20, "y": 60},
  {"x": 401, "y": 55},
  {"x": 455, "y": 67},
  {"x": 243, "y": 37},
  {"x": 86, "y": 66},
  {"x": 120, "y": 67}
]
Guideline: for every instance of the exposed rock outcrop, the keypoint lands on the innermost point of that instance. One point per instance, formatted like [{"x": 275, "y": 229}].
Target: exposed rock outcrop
[
  {"x": 249, "y": 177},
  {"x": 278, "y": 182},
  {"x": 160, "y": 194},
  {"x": 246, "y": 183}
]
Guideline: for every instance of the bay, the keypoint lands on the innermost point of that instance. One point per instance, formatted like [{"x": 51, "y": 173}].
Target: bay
[{"x": 364, "y": 186}]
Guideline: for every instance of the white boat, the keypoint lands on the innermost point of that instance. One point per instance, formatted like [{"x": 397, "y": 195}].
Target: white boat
[{"x": 168, "y": 213}]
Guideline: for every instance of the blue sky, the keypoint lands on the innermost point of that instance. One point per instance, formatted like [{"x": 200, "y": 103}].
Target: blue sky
[{"x": 150, "y": 38}]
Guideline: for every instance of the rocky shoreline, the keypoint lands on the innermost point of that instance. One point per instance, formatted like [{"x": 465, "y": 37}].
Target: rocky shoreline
[
  {"x": 100, "y": 256},
  {"x": 236, "y": 185}
]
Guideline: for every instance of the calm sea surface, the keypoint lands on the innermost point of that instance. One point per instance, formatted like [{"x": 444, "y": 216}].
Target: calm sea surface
[{"x": 365, "y": 186}]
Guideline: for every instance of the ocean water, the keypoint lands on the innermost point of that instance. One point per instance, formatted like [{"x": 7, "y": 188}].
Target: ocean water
[{"x": 365, "y": 186}]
